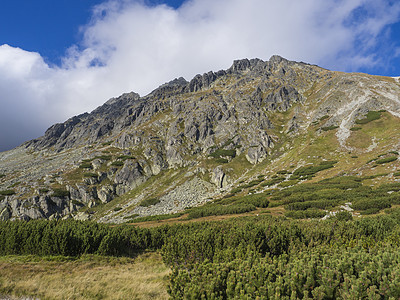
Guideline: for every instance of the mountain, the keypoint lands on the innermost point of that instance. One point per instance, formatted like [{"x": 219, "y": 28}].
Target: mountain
[{"x": 221, "y": 134}]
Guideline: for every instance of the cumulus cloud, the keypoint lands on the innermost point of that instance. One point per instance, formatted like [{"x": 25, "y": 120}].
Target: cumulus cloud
[{"x": 130, "y": 46}]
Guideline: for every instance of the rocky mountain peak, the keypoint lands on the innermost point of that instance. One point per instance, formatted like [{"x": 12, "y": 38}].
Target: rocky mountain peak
[{"x": 199, "y": 138}]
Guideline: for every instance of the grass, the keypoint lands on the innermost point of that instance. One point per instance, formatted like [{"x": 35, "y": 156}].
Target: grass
[
  {"x": 156, "y": 218},
  {"x": 94, "y": 175},
  {"x": 371, "y": 116},
  {"x": 329, "y": 128},
  {"x": 89, "y": 277},
  {"x": 86, "y": 165},
  {"x": 149, "y": 202},
  {"x": 386, "y": 160},
  {"x": 7, "y": 192},
  {"x": 220, "y": 153},
  {"x": 60, "y": 193}
]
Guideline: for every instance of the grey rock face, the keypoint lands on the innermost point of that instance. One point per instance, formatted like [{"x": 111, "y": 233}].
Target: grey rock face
[
  {"x": 218, "y": 177},
  {"x": 256, "y": 154},
  {"x": 106, "y": 193},
  {"x": 131, "y": 175},
  {"x": 5, "y": 212}
]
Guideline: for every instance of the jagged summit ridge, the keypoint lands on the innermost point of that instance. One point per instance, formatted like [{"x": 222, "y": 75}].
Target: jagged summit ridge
[{"x": 119, "y": 113}]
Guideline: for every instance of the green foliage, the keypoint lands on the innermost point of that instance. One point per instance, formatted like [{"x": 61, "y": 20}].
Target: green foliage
[
  {"x": 221, "y": 160},
  {"x": 230, "y": 205},
  {"x": 386, "y": 160},
  {"x": 117, "y": 208},
  {"x": 355, "y": 128},
  {"x": 348, "y": 274},
  {"x": 288, "y": 183},
  {"x": 307, "y": 172},
  {"x": 310, "y": 213},
  {"x": 149, "y": 202},
  {"x": 282, "y": 172},
  {"x": 343, "y": 216},
  {"x": 272, "y": 181},
  {"x": 372, "y": 202},
  {"x": 43, "y": 191},
  {"x": 217, "y": 210},
  {"x": 107, "y": 143},
  {"x": 397, "y": 174},
  {"x": 156, "y": 218},
  {"x": 241, "y": 258},
  {"x": 371, "y": 116},
  {"x": 329, "y": 128},
  {"x": 117, "y": 163},
  {"x": 125, "y": 157},
  {"x": 86, "y": 165},
  {"x": 76, "y": 202},
  {"x": 2, "y": 175},
  {"x": 94, "y": 175},
  {"x": 60, "y": 193},
  {"x": 220, "y": 153},
  {"x": 7, "y": 192}
]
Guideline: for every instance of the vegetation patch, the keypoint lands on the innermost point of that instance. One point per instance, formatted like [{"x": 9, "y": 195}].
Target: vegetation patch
[
  {"x": 76, "y": 202},
  {"x": 156, "y": 218},
  {"x": 125, "y": 157},
  {"x": 93, "y": 175},
  {"x": 371, "y": 116},
  {"x": 86, "y": 165},
  {"x": 288, "y": 183},
  {"x": 7, "y": 193},
  {"x": 107, "y": 143},
  {"x": 386, "y": 160},
  {"x": 250, "y": 256},
  {"x": 310, "y": 213},
  {"x": 61, "y": 193},
  {"x": 230, "y": 205},
  {"x": 149, "y": 202},
  {"x": 221, "y": 160},
  {"x": 220, "y": 153},
  {"x": 117, "y": 163},
  {"x": 2, "y": 175},
  {"x": 283, "y": 172},
  {"x": 329, "y": 128},
  {"x": 308, "y": 172},
  {"x": 272, "y": 181}
]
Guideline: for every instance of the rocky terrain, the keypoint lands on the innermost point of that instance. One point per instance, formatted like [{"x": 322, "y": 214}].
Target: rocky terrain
[{"x": 187, "y": 143}]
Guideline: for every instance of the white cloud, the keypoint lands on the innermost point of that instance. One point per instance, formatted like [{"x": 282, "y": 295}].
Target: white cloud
[{"x": 130, "y": 46}]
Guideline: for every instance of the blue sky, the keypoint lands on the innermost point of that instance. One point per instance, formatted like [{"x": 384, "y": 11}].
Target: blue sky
[
  {"x": 60, "y": 58},
  {"x": 49, "y": 27}
]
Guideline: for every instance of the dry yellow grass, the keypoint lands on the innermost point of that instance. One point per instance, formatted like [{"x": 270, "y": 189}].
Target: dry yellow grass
[{"x": 144, "y": 277}]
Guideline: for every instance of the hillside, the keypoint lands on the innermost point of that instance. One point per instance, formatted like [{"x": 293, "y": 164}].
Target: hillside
[{"x": 254, "y": 130}]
